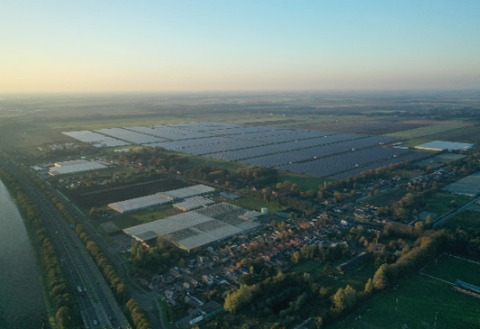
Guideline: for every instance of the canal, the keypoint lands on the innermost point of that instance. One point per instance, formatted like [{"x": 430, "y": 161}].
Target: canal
[{"x": 21, "y": 299}]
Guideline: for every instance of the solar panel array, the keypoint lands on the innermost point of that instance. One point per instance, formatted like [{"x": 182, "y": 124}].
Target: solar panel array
[
  {"x": 380, "y": 164},
  {"x": 347, "y": 161},
  {"x": 97, "y": 140},
  {"x": 219, "y": 147},
  {"x": 311, "y": 152},
  {"x": 130, "y": 136}
]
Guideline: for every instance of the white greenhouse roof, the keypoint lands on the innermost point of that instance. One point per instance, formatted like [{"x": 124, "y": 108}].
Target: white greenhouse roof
[
  {"x": 69, "y": 163},
  {"x": 191, "y": 229},
  {"x": 138, "y": 203},
  {"x": 193, "y": 203},
  {"x": 187, "y": 192},
  {"x": 74, "y": 168},
  {"x": 443, "y": 145}
]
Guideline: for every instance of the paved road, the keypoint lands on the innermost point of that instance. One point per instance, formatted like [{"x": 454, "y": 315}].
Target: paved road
[
  {"x": 145, "y": 299},
  {"x": 98, "y": 307}
]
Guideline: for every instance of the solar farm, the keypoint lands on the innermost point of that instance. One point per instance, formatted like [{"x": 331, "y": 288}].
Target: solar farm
[
  {"x": 194, "y": 229},
  {"x": 321, "y": 154}
]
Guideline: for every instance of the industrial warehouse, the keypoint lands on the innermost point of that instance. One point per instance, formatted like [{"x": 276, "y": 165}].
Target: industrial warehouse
[
  {"x": 161, "y": 198},
  {"x": 197, "y": 228}
]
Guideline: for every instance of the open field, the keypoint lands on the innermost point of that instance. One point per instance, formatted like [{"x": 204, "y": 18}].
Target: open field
[
  {"x": 466, "y": 219},
  {"x": 425, "y": 131},
  {"x": 440, "y": 203},
  {"x": 386, "y": 198},
  {"x": 147, "y": 215},
  {"x": 420, "y": 302},
  {"x": 103, "y": 196},
  {"x": 304, "y": 181},
  {"x": 358, "y": 124},
  {"x": 452, "y": 268},
  {"x": 253, "y": 204},
  {"x": 464, "y": 135},
  {"x": 356, "y": 277}
]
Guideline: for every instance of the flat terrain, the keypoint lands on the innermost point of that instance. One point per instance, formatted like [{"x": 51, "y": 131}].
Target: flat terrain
[
  {"x": 424, "y": 131},
  {"x": 420, "y": 302},
  {"x": 466, "y": 219}
]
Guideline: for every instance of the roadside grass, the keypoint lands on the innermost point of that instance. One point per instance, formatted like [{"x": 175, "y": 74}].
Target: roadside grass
[
  {"x": 424, "y": 131},
  {"x": 466, "y": 219}
]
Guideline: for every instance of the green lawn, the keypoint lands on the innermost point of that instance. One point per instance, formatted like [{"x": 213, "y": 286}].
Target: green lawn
[{"x": 420, "y": 302}]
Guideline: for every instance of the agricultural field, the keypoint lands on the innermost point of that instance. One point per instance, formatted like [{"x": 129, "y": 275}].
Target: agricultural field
[
  {"x": 469, "y": 134},
  {"x": 387, "y": 198},
  {"x": 305, "y": 182},
  {"x": 358, "y": 125},
  {"x": 466, "y": 219},
  {"x": 102, "y": 196},
  {"x": 441, "y": 203},
  {"x": 356, "y": 277},
  {"x": 425, "y": 131},
  {"x": 420, "y": 302},
  {"x": 253, "y": 204}
]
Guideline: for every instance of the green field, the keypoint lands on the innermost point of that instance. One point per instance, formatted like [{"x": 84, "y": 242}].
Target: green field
[
  {"x": 356, "y": 278},
  {"x": 467, "y": 219},
  {"x": 253, "y": 204},
  {"x": 423, "y": 131},
  {"x": 440, "y": 203},
  {"x": 304, "y": 181},
  {"x": 420, "y": 302}
]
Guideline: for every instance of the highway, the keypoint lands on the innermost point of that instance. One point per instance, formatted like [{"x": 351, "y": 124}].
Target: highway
[{"x": 98, "y": 307}]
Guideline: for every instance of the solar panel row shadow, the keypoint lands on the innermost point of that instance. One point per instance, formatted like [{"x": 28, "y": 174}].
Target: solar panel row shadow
[
  {"x": 347, "y": 161},
  {"x": 376, "y": 165}
]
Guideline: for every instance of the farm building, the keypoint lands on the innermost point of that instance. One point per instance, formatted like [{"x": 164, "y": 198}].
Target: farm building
[
  {"x": 195, "y": 228},
  {"x": 139, "y": 203},
  {"x": 443, "y": 145},
  {"x": 187, "y": 192},
  {"x": 193, "y": 203},
  {"x": 69, "y": 163},
  {"x": 71, "y": 167}
]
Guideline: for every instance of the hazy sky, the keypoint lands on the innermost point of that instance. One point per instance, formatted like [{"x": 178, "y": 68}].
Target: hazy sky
[{"x": 238, "y": 45}]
